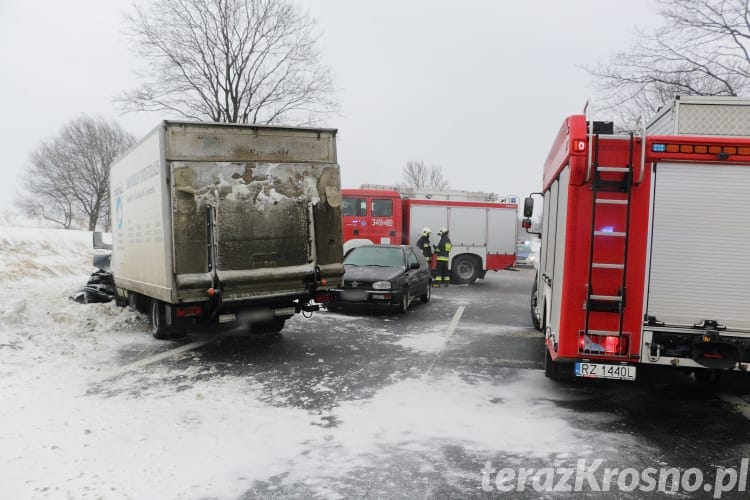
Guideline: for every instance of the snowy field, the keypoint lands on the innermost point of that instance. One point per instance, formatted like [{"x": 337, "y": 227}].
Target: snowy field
[{"x": 76, "y": 422}]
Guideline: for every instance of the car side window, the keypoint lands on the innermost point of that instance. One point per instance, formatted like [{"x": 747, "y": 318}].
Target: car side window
[{"x": 412, "y": 258}]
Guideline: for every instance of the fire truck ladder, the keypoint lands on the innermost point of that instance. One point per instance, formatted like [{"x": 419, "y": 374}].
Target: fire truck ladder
[{"x": 616, "y": 181}]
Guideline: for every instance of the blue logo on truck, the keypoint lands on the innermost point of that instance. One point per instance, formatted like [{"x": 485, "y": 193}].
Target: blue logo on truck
[{"x": 118, "y": 212}]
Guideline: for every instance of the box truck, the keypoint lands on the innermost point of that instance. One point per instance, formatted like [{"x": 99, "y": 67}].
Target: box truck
[{"x": 219, "y": 223}]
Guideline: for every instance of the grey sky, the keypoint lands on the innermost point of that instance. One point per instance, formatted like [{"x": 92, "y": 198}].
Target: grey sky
[{"x": 479, "y": 87}]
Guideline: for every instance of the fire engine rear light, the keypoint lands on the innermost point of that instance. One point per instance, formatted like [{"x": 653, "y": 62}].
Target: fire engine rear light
[
  {"x": 701, "y": 149},
  {"x": 714, "y": 150},
  {"x": 658, "y": 148},
  {"x": 673, "y": 148},
  {"x": 579, "y": 145},
  {"x": 189, "y": 311},
  {"x": 729, "y": 150},
  {"x": 603, "y": 344},
  {"x": 745, "y": 151},
  {"x": 686, "y": 148}
]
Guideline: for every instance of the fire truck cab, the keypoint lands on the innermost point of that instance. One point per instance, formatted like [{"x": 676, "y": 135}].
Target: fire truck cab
[{"x": 628, "y": 274}]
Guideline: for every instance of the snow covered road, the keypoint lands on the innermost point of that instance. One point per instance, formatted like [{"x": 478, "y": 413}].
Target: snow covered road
[{"x": 341, "y": 405}]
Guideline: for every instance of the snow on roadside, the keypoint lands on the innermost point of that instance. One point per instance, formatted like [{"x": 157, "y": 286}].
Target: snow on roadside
[{"x": 28, "y": 252}]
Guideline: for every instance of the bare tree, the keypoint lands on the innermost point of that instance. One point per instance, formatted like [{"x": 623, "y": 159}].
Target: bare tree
[
  {"x": 418, "y": 175},
  {"x": 701, "y": 49},
  {"x": 68, "y": 175},
  {"x": 238, "y": 61}
]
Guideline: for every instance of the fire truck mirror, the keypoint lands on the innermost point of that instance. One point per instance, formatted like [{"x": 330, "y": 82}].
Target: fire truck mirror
[{"x": 528, "y": 207}]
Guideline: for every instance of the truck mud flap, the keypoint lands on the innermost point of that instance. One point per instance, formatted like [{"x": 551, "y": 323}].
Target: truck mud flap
[{"x": 717, "y": 355}]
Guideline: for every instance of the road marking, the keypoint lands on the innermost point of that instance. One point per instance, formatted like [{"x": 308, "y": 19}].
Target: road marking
[
  {"x": 741, "y": 405},
  {"x": 451, "y": 329},
  {"x": 155, "y": 358}
]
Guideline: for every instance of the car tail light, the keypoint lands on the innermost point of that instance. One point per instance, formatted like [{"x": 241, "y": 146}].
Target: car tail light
[{"x": 321, "y": 298}]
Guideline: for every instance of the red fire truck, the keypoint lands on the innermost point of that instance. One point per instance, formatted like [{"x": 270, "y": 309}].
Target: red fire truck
[
  {"x": 483, "y": 232},
  {"x": 644, "y": 257}
]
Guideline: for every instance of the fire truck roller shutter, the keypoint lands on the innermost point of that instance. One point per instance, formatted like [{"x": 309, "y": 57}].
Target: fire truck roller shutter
[
  {"x": 426, "y": 216},
  {"x": 700, "y": 263}
]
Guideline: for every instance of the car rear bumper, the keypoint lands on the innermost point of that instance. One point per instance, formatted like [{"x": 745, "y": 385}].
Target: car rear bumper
[{"x": 357, "y": 296}]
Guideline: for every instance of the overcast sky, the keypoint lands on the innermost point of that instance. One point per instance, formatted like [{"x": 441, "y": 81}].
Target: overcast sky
[{"x": 478, "y": 87}]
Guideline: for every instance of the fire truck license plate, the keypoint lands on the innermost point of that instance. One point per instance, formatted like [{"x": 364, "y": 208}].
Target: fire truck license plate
[{"x": 598, "y": 370}]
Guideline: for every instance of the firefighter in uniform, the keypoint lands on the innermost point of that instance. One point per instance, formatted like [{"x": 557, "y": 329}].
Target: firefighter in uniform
[
  {"x": 443, "y": 250},
  {"x": 424, "y": 244}
]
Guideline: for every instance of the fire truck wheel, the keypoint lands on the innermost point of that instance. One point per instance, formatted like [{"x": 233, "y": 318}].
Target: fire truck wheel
[
  {"x": 465, "y": 269},
  {"x": 556, "y": 370}
]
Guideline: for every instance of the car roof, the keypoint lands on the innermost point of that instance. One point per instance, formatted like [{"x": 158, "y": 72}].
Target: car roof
[{"x": 384, "y": 246}]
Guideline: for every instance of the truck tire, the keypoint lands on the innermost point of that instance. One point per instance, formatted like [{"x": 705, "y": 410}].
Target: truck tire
[
  {"x": 158, "y": 322},
  {"x": 534, "y": 301},
  {"x": 465, "y": 269}
]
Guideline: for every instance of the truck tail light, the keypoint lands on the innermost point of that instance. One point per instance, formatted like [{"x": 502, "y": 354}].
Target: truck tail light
[
  {"x": 189, "y": 311},
  {"x": 322, "y": 298},
  {"x": 603, "y": 344}
]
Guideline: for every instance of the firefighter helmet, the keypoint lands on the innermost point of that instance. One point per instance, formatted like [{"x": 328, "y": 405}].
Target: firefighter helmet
[
  {"x": 426, "y": 231},
  {"x": 442, "y": 231}
]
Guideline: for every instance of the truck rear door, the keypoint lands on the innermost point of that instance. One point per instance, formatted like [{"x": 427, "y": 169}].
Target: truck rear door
[
  {"x": 263, "y": 220},
  {"x": 700, "y": 235}
]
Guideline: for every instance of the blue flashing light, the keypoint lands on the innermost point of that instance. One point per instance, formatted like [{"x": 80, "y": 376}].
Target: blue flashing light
[
  {"x": 608, "y": 229},
  {"x": 658, "y": 148}
]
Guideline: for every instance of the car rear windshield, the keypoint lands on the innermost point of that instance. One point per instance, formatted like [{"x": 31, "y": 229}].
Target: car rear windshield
[{"x": 375, "y": 256}]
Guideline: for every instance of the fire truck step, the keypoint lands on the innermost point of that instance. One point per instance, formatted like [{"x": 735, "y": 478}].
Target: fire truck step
[
  {"x": 603, "y": 305},
  {"x": 602, "y": 265},
  {"x": 610, "y": 233},
  {"x": 621, "y": 170},
  {"x": 610, "y": 201},
  {"x": 604, "y": 333},
  {"x": 607, "y": 298}
]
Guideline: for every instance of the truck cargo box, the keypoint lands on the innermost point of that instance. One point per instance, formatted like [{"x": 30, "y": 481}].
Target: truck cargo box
[{"x": 253, "y": 211}]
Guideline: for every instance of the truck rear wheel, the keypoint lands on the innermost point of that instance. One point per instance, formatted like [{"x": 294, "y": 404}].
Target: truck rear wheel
[
  {"x": 465, "y": 269},
  {"x": 160, "y": 328}
]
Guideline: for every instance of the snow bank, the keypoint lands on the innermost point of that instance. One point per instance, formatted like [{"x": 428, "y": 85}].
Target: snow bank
[{"x": 27, "y": 253}]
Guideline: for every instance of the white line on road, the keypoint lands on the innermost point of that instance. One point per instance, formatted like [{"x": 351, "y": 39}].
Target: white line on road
[
  {"x": 155, "y": 358},
  {"x": 451, "y": 328}
]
